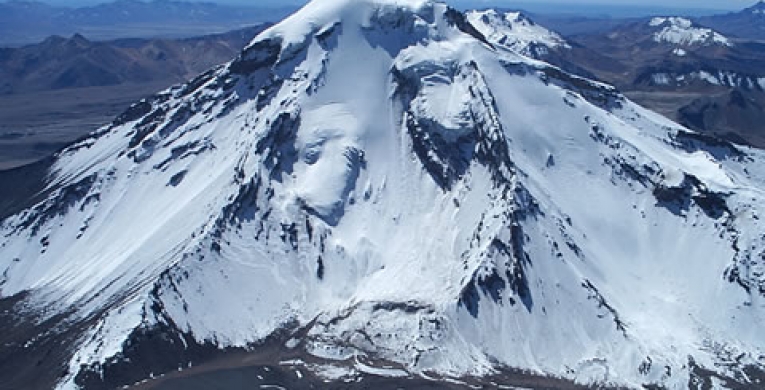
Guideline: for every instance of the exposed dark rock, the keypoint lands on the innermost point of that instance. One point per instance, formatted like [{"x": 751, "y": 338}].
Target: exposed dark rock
[
  {"x": 261, "y": 54},
  {"x": 690, "y": 191},
  {"x": 59, "y": 203},
  {"x": 320, "y": 268},
  {"x": 134, "y": 112},
  {"x": 406, "y": 307},
  {"x": 244, "y": 207},
  {"x": 603, "y": 304},
  {"x": 445, "y": 162},
  {"x": 181, "y": 152},
  {"x": 703, "y": 378},
  {"x": 197, "y": 82},
  {"x": 492, "y": 286},
  {"x": 748, "y": 268},
  {"x": 278, "y": 146},
  {"x": 717, "y": 147},
  {"x": 177, "y": 178},
  {"x": 158, "y": 349},
  {"x": 147, "y": 125},
  {"x": 458, "y": 19},
  {"x": 509, "y": 261}
]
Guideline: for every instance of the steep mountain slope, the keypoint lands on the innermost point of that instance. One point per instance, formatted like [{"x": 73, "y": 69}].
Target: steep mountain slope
[{"x": 373, "y": 181}]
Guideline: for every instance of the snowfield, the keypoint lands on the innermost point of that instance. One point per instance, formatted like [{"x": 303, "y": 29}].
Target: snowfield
[{"x": 388, "y": 177}]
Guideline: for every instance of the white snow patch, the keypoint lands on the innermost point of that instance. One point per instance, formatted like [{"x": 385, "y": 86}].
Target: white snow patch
[
  {"x": 333, "y": 372},
  {"x": 660, "y": 79}
]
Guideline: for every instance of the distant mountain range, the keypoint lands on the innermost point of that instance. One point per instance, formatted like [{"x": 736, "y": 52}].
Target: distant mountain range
[
  {"x": 747, "y": 24},
  {"x": 25, "y": 22},
  {"x": 76, "y": 62}
]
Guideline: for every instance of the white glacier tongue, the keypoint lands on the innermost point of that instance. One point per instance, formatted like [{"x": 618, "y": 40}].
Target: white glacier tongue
[{"x": 377, "y": 178}]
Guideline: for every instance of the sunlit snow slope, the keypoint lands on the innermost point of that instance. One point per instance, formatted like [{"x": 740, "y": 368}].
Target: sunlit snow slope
[
  {"x": 683, "y": 32},
  {"x": 378, "y": 172}
]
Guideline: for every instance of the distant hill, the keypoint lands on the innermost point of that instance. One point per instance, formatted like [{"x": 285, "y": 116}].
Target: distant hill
[
  {"x": 737, "y": 116},
  {"x": 747, "y": 24},
  {"x": 25, "y": 22},
  {"x": 76, "y": 62},
  {"x": 671, "y": 53},
  {"x": 704, "y": 78}
]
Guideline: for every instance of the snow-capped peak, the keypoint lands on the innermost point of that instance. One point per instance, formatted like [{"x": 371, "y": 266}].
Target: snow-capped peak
[
  {"x": 321, "y": 13},
  {"x": 684, "y": 32},
  {"x": 375, "y": 177},
  {"x": 515, "y": 31}
]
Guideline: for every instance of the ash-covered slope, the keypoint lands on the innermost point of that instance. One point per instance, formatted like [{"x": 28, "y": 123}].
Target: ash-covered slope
[{"x": 377, "y": 178}]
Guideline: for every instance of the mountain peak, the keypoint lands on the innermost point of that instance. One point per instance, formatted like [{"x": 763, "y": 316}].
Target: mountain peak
[
  {"x": 758, "y": 8},
  {"x": 684, "y": 32},
  {"x": 79, "y": 39},
  {"x": 516, "y": 31}
]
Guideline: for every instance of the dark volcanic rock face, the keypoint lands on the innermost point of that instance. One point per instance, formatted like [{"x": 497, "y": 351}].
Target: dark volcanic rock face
[{"x": 747, "y": 24}]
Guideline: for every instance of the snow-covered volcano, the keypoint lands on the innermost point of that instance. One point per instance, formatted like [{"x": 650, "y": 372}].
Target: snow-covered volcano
[
  {"x": 378, "y": 175},
  {"x": 683, "y": 32},
  {"x": 517, "y": 32}
]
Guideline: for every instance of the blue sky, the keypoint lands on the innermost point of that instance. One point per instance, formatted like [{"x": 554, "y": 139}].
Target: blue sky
[
  {"x": 715, "y": 4},
  {"x": 694, "y": 4}
]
